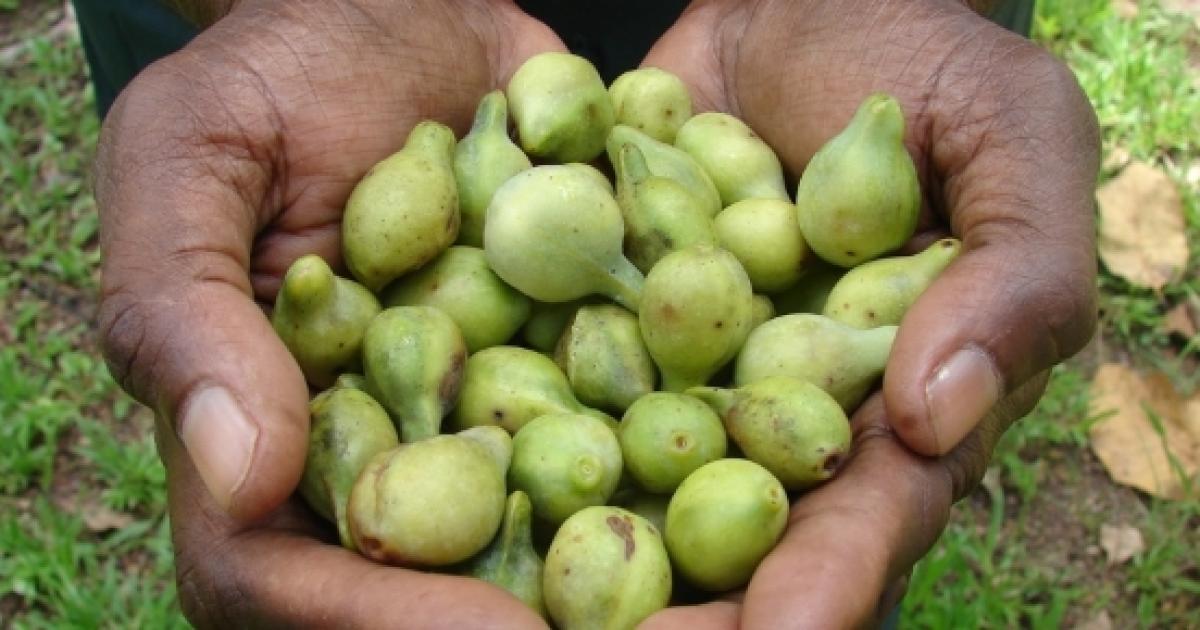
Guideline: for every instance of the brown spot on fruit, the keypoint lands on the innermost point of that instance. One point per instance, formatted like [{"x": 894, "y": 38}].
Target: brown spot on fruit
[
  {"x": 831, "y": 463},
  {"x": 623, "y": 528},
  {"x": 448, "y": 388},
  {"x": 498, "y": 415},
  {"x": 719, "y": 324}
]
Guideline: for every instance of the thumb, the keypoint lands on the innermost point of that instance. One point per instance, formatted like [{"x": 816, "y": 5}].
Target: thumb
[
  {"x": 180, "y": 328},
  {"x": 1022, "y": 295}
]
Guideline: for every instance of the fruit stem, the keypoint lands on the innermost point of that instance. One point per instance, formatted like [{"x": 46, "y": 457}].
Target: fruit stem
[{"x": 625, "y": 284}]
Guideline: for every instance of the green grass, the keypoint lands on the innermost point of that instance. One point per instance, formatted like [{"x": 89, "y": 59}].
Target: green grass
[
  {"x": 982, "y": 572},
  {"x": 68, "y": 436}
]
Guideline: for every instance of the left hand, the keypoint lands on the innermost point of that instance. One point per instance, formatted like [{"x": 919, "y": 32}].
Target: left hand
[{"x": 1007, "y": 149}]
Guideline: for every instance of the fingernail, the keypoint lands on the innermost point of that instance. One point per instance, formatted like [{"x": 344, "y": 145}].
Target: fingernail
[
  {"x": 962, "y": 391},
  {"x": 220, "y": 440}
]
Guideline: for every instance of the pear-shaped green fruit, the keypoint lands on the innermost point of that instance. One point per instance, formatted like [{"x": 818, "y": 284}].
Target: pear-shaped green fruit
[
  {"x": 508, "y": 386},
  {"x": 723, "y": 520},
  {"x": 351, "y": 381},
  {"x": 650, "y": 506},
  {"x": 487, "y": 311},
  {"x": 790, "y": 426},
  {"x": 484, "y": 159},
  {"x": 811, "y": 291},
  {"x": 321, "y": 318},
  {"x": 547, "y": 321},
  {"x": 555, "y": 233},
  {"x": 740, "y": 164},
  {"x": 404, "y": 212},
  {"x": 495, "y": 441},
  {"x": 665, "y": 160},
  {"x": 511, "y": 562},
  {"x": 661, "y": 216},
  {"x": 695, "y": 314},
  {"x": 651, "y": 100},
  {"x": 594, "y": 173},
  {"x": 561, "y": 107},
  {"x": 565, "y": 462},
  {"x": 766, "y": 239},
  {"x": 348, "y": 428},
  {"x": 843, "y": 361},
  {"x": 665, "y": 437},
  {"x": 427, "y": 504},
  {"x": 414, "y": 357},
  {"x": 604, "y": 358},
  {"x": 859, "y": 196},
  {"x": 607, "y": 569},
  {"x": 762, "y": 310},
  {"x": 880, "y": 292}
]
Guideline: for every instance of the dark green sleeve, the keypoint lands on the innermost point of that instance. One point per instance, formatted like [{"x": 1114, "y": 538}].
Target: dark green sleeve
[{"x": 120, "y": 37}]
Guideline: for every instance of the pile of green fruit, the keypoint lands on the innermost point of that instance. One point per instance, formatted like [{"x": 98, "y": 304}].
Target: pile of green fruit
[{"x": 505, "y": 314}]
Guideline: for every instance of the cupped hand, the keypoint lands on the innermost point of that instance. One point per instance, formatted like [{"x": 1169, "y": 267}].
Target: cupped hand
[
  {"x": 1006, "y": 147},
  {"x": 218, "y": 166}
]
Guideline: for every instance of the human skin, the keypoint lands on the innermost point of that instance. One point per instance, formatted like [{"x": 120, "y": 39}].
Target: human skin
[
  {"x": 1007, "y": 149},
  {"x": 223, "y": 163}
]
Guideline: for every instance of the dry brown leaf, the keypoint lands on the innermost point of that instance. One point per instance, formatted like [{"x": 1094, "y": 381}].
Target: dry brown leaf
[
  {"x": 1126, "y": 440},
  {"x": 1141, "y": 226},
  {"x": 1121, "y": 543},
  {"x": 1179, "y": 320}
]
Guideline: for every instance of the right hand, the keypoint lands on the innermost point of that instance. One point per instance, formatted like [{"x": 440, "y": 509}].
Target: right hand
[{"x": 219, "y": 166}]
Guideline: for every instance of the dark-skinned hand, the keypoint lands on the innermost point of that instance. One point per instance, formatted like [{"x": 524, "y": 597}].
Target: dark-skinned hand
[
  {"x": 223, "y": 163},
  {"x": 1007, "y": 150},
  {"x": 218, "y": 166}
]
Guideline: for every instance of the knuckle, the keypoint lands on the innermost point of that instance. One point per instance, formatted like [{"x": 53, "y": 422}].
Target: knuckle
[{"x": 210, "y": 596}]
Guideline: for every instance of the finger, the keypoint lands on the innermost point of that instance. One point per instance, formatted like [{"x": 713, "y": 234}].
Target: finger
[
  {"x": 280, "y": 575},
  {"x": 1019, "y": 176},
  {"x": 716, "y": 615},
  {"x": 850, "y": 543},
  {"x": 180, "y": 188},
  {"x": 850, "y": 539}
]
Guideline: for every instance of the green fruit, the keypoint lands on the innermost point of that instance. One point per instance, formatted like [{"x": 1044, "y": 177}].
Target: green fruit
[
  {"x": 427, "y": 504},
  {"x": 740, "y": 164},
  {"x": 547, "y": 321},
  {"x": 880, "y": 292},
  {"x": 495, "y": 441},
  {"x": 404, "y": 212},
  {"x": 566, "y": 462},
  {"x": 348, "y": 428},
  {"x": 722, "y": 521},
  {"x": 843, "y": 361},
  {"x": 695, "y": 314},
  {"x": 790, "y": 426},
  {"x": 351, "y": 381},
  {"x": 561, "y": 107},
  {"x": 604, "y": 358},
  {"x": 607, "y": 569},
  {"x": 594, "y": 173},
  {"x": 509, "y": 386},
  {"x": 764, "y": 236},
  {"x": 661, "y": 216},
  {"x": 665, "y": 437},
  {"x": 484, "y": 160},
  {"x": 321, "y": 318},
  {"x": 651, "y": 100},
  {"x": 414, "y": 358},
  {"x": 762, "y": 311},
  {"x": 555, "y": 234},
  {"x": 811, "y": 291},
  {"x": 650, "y": 506},
  {"x": 510, "y": 562},
  {"x": 859, "y": 196},
  {"x": 460, "y": 284},
  {"x": 665, "y": 160}
]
